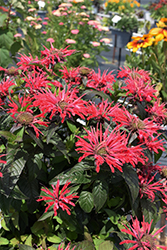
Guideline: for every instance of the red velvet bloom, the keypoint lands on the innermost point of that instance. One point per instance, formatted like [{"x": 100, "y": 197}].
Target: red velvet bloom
[
  {"x": 58, "y": 198},
  {"x": 100, "y": 112},
  {"x": 4, "y": 87},
  {"x": 143, "y": 239},
  {"x": 23, "y": 114},
  {"x": 139, "y": 90},
  {"x": 134, "y": 73},
  {"x": 62, "y": 102},
  {"x": 53, "y": 55},
  {"x": 143, "y": 128},
  {"x": 104, "y": 147},
  {"x": 157, "y": 112},
  {"x": 101, "y": 82},
  {"x": 150, "y": 187}
]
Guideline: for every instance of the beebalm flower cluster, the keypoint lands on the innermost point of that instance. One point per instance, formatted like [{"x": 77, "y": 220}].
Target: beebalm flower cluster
[{"x": 113, "y": 133}]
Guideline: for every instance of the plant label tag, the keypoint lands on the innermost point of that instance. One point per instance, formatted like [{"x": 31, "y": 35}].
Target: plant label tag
[{"x": 116, "y": 18}]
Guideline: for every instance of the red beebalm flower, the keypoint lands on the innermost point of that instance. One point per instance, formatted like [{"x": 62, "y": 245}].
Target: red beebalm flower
[
  {"x": 143, "y": 128},
  {"x": 143, "y": 238},
  {"x": 36, "y": 80},
  {"x": 154, "y": 144},
  {"x": 102, "y": 111},
  {"x": 12, "y": 71},
  {"x": 4, "y": 87},
  {"x": 23, "y": 115},
  {"x": 25, "y": 62},
  {"x": 157, "y": 112},
  {"x": 101, "y": 82},
  {"x": 139, "y": 90},
  {"x": 134, "y": 73},
  {"x": 104, "y": 147},
  {"x": 58, "y": 199},
  {"x": 148, "y": 188},
  {"x": 53, "y": 55},
  {"x": 63, "y": 103}
]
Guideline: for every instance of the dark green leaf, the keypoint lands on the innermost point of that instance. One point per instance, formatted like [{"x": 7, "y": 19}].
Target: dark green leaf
[
  {"x": 131, "y": 179},
  {"x": 15, "y": 47},
  {"x": 100, "y": 191},
  {"x": 72, "y": 126},
  {"x": 46, "y": 215},
  {"x": 86, "y": 201}
]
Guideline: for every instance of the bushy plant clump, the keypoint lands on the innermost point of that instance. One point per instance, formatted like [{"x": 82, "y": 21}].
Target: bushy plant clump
[{"x": 77, "y": 156}]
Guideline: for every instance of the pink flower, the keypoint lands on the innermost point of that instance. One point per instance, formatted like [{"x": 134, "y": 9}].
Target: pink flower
[
  {"x": 61, "y": 23},
  {"x": 51, "y": 40},
  {"x": 86, "y": 55},
  {"x": 95, "y": 44},
  {"x": 105, "y": 40},
  {"x": 39, "y": 19},
  {"x": 75, "y": 31},
  {"x": 60, "y": 247},
  {"x": 18, "y": 35},
  {"x": 142, "y": 238},
  {"x": 46, "y": 18},
  {"x": 44, "y": 32},
  {"x": 81, "y": 23},
  {"x": 83, "y": 7},
  {"x": 45, "y": 23},
  {"x": 70, "y": 41},
  {"x": 58, "y": 200},
  {"x": 106, "y": 147}
]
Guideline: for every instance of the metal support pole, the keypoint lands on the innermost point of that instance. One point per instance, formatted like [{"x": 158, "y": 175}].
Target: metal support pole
[
  {"x": 114, "y": 49},
  {"x": 119, "y": 57}
]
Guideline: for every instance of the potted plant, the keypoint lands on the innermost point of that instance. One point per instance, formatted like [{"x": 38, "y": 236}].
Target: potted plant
[
  {"x": 158, "y": 9},
  {"x": 122, "y": 30},
  {"x": 121, "y": 6}
]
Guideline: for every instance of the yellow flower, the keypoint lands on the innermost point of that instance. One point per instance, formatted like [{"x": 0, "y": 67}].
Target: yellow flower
[
  {"x": 105, "y": 4},
  {"x": 131, "y": 5},
  {"x": 140, "y": 42},
  {"x": 159, "y": 33}
]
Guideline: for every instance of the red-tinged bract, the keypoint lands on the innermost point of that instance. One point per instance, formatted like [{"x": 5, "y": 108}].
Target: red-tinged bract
[{"x": 58, "y": 199}]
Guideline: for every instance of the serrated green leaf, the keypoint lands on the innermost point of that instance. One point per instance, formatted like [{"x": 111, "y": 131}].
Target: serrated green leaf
[
  {"x": 100, "y": 192},
  {"x": 86, "y": 201}
]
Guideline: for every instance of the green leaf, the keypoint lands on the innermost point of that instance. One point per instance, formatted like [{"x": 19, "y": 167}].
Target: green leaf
[
  {"x": 46, "y": 215},
  {"x": 15, "y": 47},
  {"x": 149, "y": 210},
  {"x": 54, "y": 239},
  {"x": 131, "y": 179},
  {"x": 2, "y": 19},
  {"x": 72, "y": 127},
  {"x": 98, "y": 93},
  {"x": 25, "y": 247},
  {"x": 157, "y": 156},
  {"x": 86, "y": 201},
  {"x": 6, "y": 39},
  {"x": 114, "y": 217},
  {"x": 85, "y": 245},
  {"x": 100, "y": 192},
  {"x": 3, "y": 241},
  {"x": 107, "y": 245}
]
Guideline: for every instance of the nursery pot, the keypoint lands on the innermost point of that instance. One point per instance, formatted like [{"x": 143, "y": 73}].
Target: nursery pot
[{"x": 120, "y": 38}]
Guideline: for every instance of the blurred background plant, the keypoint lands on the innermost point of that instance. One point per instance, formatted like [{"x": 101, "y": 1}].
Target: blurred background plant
[
  {"x": 121, "y": 6},
  {"x": 27, "y": 29},
  {"x": 158, "y": 9},
  {"x": 149, "y": 52}
]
